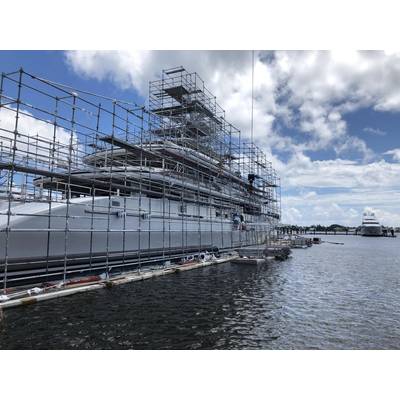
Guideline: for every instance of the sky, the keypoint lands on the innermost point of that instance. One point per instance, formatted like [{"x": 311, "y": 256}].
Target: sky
[{"x": 328, "y": 120}]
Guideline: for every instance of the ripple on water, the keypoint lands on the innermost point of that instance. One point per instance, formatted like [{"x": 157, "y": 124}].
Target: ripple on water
[{"x": 325, "y": 297}]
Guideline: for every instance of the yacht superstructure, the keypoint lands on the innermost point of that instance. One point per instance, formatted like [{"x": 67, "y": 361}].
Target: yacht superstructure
[{"x": 92, "y": 183}]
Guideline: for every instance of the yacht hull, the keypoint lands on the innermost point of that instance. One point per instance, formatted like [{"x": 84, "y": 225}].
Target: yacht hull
[
  {"x": 95, "y": 236},
  {"x": 371, "y": 230}
]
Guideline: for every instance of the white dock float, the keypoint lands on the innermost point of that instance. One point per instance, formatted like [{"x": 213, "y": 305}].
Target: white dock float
[
  {"x": 113, "y": 281},
  {"x": 250, "y": 261}
]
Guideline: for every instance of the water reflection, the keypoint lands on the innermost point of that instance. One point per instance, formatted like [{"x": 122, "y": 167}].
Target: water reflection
[{"x": 327, "y": 296}]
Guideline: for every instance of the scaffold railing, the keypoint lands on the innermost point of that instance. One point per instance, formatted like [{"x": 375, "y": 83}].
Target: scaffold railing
[{"x": 100, "y": 185}]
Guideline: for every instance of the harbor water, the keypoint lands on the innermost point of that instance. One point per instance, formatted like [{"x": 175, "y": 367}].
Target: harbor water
[{"x": 328, "y": 296}]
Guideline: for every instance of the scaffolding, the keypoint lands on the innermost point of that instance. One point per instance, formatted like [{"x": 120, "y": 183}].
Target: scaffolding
[{"x": 91, "y": 184}]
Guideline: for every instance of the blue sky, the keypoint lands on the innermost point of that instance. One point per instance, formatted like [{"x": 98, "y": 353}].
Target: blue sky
[
  {"x": 52, "y": 65},
  {"x": 328, "y": 121}
]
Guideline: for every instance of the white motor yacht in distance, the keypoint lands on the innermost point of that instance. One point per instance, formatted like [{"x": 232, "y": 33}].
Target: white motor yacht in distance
[{"x": 370, "y": 225}]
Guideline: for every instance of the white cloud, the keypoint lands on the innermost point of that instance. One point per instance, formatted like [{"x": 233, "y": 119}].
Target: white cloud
[
  {"x": 34, "y": 137},
  {"x": 300, "y": 171},
  {"x": 126, "y": 69},
  {"x": 292, "y": 215},
  {"x": 308, "y": 91},
  {"x": 395, "y": 153},
  {"x": 311, "y": 90},
  {"x": 226, "y": 73},
  {"x": 344, "y": 208},
  {"x": 374, "y": 131},
  {"x": 336, "y": 191}
]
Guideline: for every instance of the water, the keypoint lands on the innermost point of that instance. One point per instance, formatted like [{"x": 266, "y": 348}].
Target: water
[{"x": 326, "y": 297}]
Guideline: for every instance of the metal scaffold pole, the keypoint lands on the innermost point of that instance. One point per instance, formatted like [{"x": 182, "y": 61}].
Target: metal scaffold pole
[
  {"x": 11, "y": 180},
  {"x": 95, "y": 185}
]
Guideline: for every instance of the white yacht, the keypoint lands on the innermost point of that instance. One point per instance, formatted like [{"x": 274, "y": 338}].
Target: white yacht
[
  {"x": 131, "y": 185},
  {"x": 370, "y": 225}
]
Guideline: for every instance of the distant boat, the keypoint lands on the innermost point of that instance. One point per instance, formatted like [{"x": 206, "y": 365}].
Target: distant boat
[{"x": 370, "y": 225}]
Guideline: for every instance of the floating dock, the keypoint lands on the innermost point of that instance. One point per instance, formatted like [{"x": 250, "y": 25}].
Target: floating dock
[
  {"x": 275, "y": 249},
  {"x": 279, "y": 249},
  {"x": 251, "y": 255},
  {"x": 268, "y": 252},
  {"x": 259, "y": 255},
  {"x": 252, "y": 261},
  {"x": 36, "y": 294}
]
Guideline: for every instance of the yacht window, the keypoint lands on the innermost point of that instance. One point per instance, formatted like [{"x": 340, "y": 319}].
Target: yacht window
[
  {"x": 183, "y": 208},
  {"x": 115, "y": 203}
]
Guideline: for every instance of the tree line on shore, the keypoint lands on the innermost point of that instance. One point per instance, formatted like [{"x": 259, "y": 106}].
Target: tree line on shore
[
  {"x": 323, "y": 228},
  {"x": 319, "y": 228}
]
